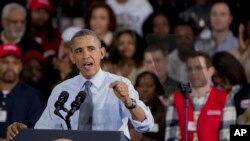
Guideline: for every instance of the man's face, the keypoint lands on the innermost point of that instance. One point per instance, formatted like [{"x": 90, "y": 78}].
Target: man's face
[
  {"x": 39, "y": 17},
  {"x": 14, "y": 24},
  {"x": 185, "y": 38},
  {"x": 87, "y": 55},
  {"x": 10, "y": 68},
  {"x": 149, "y": 62},
  {"x": 220, "y": 17},
  {"x": 198, "y": 73},
  {"x": 156, "y": 62}
]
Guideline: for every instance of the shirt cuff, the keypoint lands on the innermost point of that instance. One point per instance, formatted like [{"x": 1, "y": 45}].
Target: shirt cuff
[{"x": 147, "y": 123}]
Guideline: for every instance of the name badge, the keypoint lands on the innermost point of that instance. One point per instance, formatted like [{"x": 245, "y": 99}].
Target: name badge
[
  {"x": 3, "y": 116},
  {"x": 244, "y": 103},
  {"x": 154, "y": 129},
  {"x": 214, "y": 112},
  {"x": 191, "y": 126}
]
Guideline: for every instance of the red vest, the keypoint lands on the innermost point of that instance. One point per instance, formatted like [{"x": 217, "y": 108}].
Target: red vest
[{"x": 210, "y": 117}]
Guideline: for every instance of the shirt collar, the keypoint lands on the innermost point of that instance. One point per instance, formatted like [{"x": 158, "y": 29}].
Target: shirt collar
[{"x": 96, "y": 80}]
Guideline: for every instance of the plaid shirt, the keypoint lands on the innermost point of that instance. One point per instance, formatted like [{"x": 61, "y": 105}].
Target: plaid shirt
[{"x": 173, "y": 129}]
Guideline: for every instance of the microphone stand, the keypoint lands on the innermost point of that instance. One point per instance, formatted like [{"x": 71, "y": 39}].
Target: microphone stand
[
  {"x": 67, "y": 119},
  {"x": 185, "y": 89}
]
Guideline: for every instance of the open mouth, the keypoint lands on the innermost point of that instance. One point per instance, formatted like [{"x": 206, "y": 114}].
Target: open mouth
[{"x": 87, "y": 65}]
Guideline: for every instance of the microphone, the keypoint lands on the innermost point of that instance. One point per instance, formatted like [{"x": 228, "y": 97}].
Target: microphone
[
  {"x": 75, "y": 105},
  {"x": 59, "y": 104}
]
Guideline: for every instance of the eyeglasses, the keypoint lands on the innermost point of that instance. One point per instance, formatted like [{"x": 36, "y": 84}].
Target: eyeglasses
[
  {"x": 196, "y": 69},
  {"x": 13, "y": 21}
]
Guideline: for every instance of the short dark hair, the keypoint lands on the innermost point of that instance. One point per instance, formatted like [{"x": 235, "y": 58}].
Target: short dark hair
[
  {"x": 95, "y": 5},
  {"x": 85, "y": 32},
  {"x": 208, "y": 60},
  {"x": 157, "y": 48},
  {"x": 222, "y": 2},
  {"x": 158, "y": 86},
  {"x": 229, "y": 67}
]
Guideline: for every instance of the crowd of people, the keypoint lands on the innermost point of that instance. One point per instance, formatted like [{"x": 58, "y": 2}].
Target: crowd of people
[{"x": 154, "y": 46}]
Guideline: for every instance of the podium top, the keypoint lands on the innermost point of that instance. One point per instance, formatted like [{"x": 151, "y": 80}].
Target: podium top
[{"x": 68, "y": 135}]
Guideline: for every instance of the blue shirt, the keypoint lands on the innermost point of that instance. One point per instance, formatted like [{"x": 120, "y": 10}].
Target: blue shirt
[
  {"x": 22, "y": 104},
  {"x": 109, "y": 112},
  {"x": 209, "y": 46}
]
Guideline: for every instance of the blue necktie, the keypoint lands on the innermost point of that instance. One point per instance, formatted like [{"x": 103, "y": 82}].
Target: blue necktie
[{"x": 86, "y": 110}]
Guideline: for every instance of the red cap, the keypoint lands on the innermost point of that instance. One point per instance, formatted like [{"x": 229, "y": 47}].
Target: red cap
[
  {"x": 9, "y": 48},
  {"x": 38, "y": 4},
  {"x": 33, "y": 54}
]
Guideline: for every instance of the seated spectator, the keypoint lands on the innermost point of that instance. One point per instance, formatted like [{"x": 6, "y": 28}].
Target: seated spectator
[
  {"x": 101, "y": 19},
  {"x": 157, "y": 23},
  {"x": 210, "y": 111},
  {"x": 127, "y": 55},
  {"x": 230, "y": 76},
  {"x": 130, "y": 14},
  {"x": 156, "y": 61},
  {"x": 13, "y": 20},
  {"x": 34, "y": 72},
  {"x": 220, "y": 37},
  {"x": 18, "y": 101},
  {"x": 149, "y": 88},
  {"x": 185, "y": 37},
  {"x": 41, "y": 28}
]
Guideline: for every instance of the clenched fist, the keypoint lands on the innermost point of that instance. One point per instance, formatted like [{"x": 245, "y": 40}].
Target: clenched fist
[{"x": 121, "y": 90}]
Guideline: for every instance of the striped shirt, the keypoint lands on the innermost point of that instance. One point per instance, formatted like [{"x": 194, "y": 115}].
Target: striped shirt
[{"x": 172, "y": 126}]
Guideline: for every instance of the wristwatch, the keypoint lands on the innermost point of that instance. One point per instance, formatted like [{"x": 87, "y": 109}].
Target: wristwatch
[{"x": 133, "y": 104}]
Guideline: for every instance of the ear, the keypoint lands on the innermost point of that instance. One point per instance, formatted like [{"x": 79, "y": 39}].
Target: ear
[
  {"x": 103, "y": 52},
  {"x": 211, "y": 71},
  {"x": 72, "y": 57},
  {"x": 231, "y": 19}
]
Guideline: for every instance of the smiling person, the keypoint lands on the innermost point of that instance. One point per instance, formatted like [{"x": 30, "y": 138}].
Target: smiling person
[{"x": 112, "y": 98}]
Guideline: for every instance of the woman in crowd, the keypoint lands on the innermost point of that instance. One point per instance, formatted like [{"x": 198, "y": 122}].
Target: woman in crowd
[
  {"x": 157, "y": 23},
  {"x": 149, "y": 88},
  {"x": 101, "y": 19},
  {"x": 230, "y": 76},
  {"x": 127, "y": 54}
]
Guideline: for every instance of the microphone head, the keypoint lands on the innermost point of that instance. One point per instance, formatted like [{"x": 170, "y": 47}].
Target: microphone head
[
  {"x": 64, "y": 96},
  {"x": 80, "y": 96}
]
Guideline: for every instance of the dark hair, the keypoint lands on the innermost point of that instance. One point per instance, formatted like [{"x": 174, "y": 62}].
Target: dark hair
[
  {"x": 86, "y": 32},
  {"x": 138, "y": 56},
  {"x": 186, "y": 24},
  {"x": 157, "y": 48},
  {"x": 222, "y": 2},
  {"x": 208, "y": 60},
  {"x": 229, "y": 67},
  {"x": 95, "y": 5},
  {"x": 147, "y": 27},
  {"x": 158, "y": 86}
]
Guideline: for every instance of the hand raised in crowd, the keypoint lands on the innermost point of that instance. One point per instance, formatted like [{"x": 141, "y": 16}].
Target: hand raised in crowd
[
  {"x": 12, "y": 129},
  {"x": 243, "y": 45}
]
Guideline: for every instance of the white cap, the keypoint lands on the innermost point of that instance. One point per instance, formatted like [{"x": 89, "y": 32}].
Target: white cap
[{"x": 69, "y": 33}]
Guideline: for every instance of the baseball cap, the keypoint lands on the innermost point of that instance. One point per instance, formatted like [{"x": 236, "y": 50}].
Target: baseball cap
[
  {"x": 33, "y": 54},
  {"x": 9, "y": 48},
  {"x": 69, "y": 33},
  {"x": 38, "y": 4}
]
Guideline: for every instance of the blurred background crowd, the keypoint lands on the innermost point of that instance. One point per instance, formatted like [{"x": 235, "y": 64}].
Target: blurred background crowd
[{"x": 151, "y": 42}]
